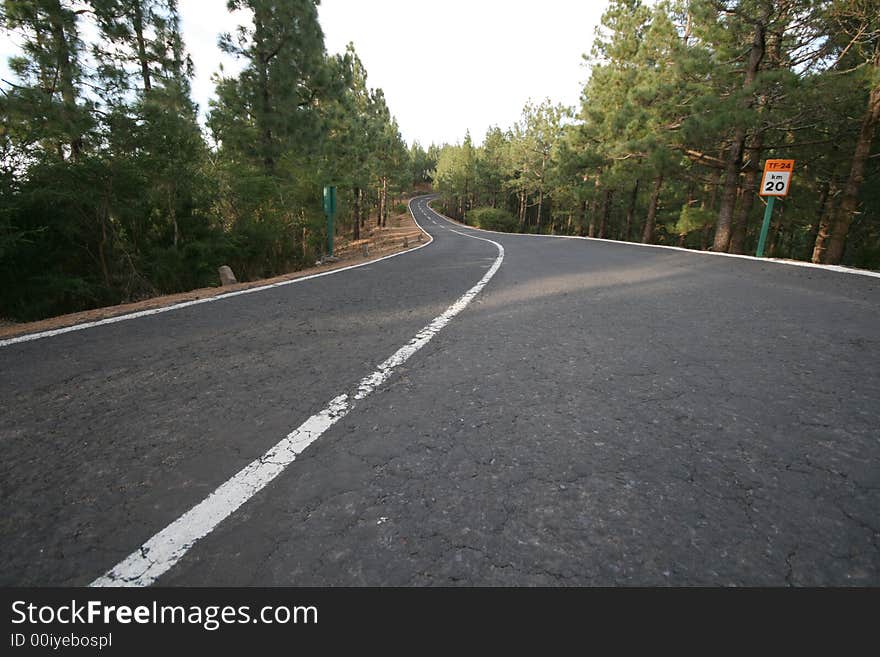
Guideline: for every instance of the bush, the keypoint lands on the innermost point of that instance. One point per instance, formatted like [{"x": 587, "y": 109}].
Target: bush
[
  {"x": 493, "y": 219},
  {"x": 691, "y": 219},
  {"x": 190, "y": 266}
]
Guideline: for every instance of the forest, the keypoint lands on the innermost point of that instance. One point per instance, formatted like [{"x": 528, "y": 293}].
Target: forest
[
  {"x": 111, "y": 190},
  {"x": 685, "y": 101}
]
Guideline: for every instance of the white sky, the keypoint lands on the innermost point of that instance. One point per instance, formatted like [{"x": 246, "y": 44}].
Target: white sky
[
  {"x": 457, "y": 65},
  {"x": 445, "y": 67}
]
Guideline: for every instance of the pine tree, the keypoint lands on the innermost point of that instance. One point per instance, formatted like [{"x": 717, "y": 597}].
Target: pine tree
[
  {"x": 50, "y": 73},
  {"x": 268, "y": 109},
  {"x": 859, "y": 20}
]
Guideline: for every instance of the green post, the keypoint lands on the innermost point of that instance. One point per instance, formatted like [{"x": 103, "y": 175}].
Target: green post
[
  {"x": 765, "y": 226},
  {"x": 330, "y": 210},
  {"x": 330, "y": 234}
]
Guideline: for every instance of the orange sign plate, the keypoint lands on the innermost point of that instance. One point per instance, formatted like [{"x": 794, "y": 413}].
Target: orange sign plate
[{"x": 777, "y": 177}]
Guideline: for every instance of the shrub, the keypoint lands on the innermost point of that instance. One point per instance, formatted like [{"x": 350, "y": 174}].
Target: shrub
[
  {"x": 493, "y": 219},
  {"x": 691, "y": 219}
]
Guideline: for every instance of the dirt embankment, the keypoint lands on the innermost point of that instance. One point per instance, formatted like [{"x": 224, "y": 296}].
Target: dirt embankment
[{"x": 401, "y": 234}]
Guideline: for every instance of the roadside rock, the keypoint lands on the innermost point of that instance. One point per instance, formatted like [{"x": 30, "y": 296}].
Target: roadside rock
[{"x": 226, "y": 276}]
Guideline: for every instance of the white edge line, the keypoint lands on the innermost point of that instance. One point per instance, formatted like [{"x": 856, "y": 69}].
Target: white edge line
[
  {"x": 158, "y": 554},
  {"x": 219, "y": 297},
  {"x": 777, "y": 261}
]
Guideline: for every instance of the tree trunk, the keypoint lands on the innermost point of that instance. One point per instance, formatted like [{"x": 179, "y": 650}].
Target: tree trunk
[
  {"x": 849, "y": 204},
  {"x": 379, "y": 214},
  {"x": 591, "y": 229},
  {"x": 819, "y": 234},
  {"x": 710, "y": 193},
  {"x": 384, "y": 201},
  {"x": 105, "y": 272},
  {"x": 606, "y": 212},
  {"x": 522, "y": 210},
  {"x": 172, "y": 210},
  {"x": 734, "y": 157},
  {"x": 265, "y": 101},
  {"x": 65, "y": 77},
  {"x": 752, "y": 178},
  {"x": 138, "y": 22},
  {"x": 357, "y": 213},
  {"x": 540, "y": 205},
  {"x": 541, "y": 192},
  {"x": 751, "y": 182},
  {"x": 631, "y": 212},
  {"x": 594, "y": 207},
  {"x": 648, "y": 233},
  {"x": 464, "y": 201}
]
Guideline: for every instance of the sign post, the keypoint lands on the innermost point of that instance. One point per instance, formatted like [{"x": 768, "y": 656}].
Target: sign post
[
  {"x": 330, "y": 210},
  {"x": 775, "y": 182}
]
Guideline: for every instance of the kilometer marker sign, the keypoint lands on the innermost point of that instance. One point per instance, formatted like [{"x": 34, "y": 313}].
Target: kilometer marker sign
[
  {"x": 777, "y": 177},
  {"x": 776, "y": 182}
]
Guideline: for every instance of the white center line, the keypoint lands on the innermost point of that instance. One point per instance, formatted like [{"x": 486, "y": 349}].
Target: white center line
[{"x": 155, "y": 557}]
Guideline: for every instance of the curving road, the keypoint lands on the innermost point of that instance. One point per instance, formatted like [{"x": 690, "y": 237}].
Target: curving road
[{"x": 597, "y": 414}]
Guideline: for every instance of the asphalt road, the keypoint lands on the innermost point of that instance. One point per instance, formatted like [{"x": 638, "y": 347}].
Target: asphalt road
[{"x": 600, "y": 414}]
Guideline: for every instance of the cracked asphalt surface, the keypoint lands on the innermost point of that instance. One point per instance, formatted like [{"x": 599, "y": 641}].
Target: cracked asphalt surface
[{"x": 601, "y": 414}]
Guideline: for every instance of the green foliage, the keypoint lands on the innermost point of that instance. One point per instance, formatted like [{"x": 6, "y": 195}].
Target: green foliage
[
  {"x": 455, "y": 175},
  {"x": 109, "y": 191},
  {"x": 191, "y": 266},
  {"x": 691, "y": 219},
  {"x": 422, "y": 164},
  {"x": 686, "y": 99},
  {"x": 493, "y": 219}
]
